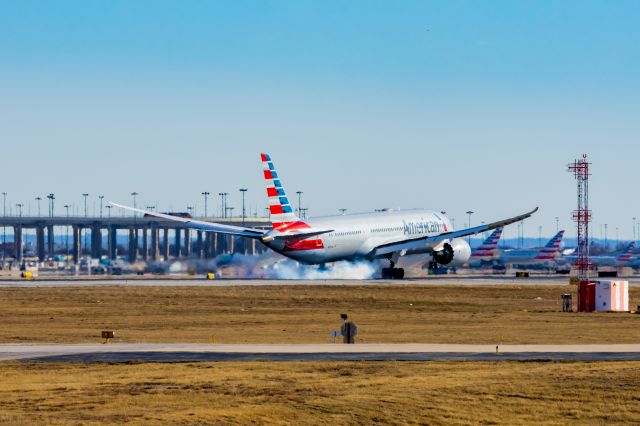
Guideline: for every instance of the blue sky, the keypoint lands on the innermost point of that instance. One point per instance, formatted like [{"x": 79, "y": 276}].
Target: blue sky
[{"x": 447, "y": 105}]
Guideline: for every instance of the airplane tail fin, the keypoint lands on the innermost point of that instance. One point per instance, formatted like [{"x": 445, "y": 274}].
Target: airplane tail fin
[
  {"x": 492, "y": 240},
  {"x": 554, "y": 243},
  {"x": 282, "y": 215},
  {"x": 489, "y": 245},
  {"x": 627, "y": 254},
  {"x": 552, "y": 248}
]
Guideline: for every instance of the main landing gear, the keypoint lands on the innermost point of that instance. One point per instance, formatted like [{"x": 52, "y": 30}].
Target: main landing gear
[{"x": 393, "y": 273}]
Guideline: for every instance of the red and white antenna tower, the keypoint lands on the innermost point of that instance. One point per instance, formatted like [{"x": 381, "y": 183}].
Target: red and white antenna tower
[{"x": 582, "y": 217}]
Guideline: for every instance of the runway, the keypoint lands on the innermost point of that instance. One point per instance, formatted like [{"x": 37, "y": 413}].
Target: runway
[
  {"x": 128, "y": 352},
  {"x": 201, "y": 282}
]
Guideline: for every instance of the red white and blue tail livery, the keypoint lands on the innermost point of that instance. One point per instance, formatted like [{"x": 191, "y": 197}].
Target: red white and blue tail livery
[
  {"x": 624, "y": 258},
  {"x": 487, "y": 250},
  {"x": 295, "y": 234},
  {"x": 546, "y": 255},
  {"x": 281, "y": 212},
  {"x": 364, "y": 236},
  {"x": 627, "y": 254},
  {"x": 551, "y": 250}
]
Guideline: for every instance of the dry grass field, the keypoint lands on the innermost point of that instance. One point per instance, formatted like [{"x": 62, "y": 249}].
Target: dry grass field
[
  {"x": 307, "y": 314},
  {"x": 321, "y": 393}
]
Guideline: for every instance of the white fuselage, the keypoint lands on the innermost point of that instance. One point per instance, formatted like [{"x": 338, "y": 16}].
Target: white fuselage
[
  {"x": 355, "y": 236},
  {"x": 529, "y": 256}
]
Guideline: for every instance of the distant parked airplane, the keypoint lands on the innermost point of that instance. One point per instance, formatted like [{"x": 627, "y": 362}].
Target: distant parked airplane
[
  {"x": 367, "y": 236},
  {"x": 624, "y": 258},
  {"x": 486, "y": 252},
  {"x": 537, "y": 256}
]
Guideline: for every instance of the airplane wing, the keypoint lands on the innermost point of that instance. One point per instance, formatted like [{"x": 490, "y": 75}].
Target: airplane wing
[
  {"x": 434, "y": 240},
  {"x": 202, "y": 225}
]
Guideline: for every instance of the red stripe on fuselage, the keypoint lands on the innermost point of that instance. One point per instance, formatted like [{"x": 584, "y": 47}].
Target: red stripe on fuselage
[
  {"x": 481, "y": 254},
  {"x": 300, "y": 245},
  {"x": 289, "y": 226}
]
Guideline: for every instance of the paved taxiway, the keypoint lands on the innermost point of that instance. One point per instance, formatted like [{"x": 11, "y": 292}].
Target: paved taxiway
[{"x": 288, "y": 352}]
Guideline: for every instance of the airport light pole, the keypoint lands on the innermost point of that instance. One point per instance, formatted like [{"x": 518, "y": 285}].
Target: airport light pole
[
  {"x": 150, "y": 208},
  {"x": 243, "y": 191},
  {"x": 85, "y": 204},
  {"x": 634, "y": 229},
  {"x": 221, "y": 194},
  {"x": 303, "y": 212},
  {"x": 606, "y": 241},
  {"x": 85, "y": 195},
  {"x": 66, "y": 238},
  {"x": 539, "y": 235},
  {"x": 134, "y": 195},
  {"x": 51, "y": 197},
  {"x": 19, "y": 249},
  {"x": 342, "y": 211},
  {"x": 205, "y": 194},
  {"x": 519, "y": 241},
  {"x": 109, "y": 207},
  {"x": 469, "y": 212},
  {"x": 4, "y": 229},
  {"x": 601, "y": 232},
  {"x": 299, "y": 202},
  {"x": 557, "y": 223},
  {"x": 101, "y": 199},
  {"x": 38, "y": 199},
  {"x": 188, "y": 231}
]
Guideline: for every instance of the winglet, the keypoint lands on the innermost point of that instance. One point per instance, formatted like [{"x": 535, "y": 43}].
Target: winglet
[{"x": 511, "y": 220}]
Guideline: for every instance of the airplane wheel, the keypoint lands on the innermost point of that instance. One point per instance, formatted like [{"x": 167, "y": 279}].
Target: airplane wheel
[
  {"x": 387, "y": 273},
  {"x": 392, "y": 273}
]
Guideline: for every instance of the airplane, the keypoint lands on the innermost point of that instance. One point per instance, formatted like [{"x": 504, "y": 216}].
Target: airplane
[
  {"x": 487, "y": 251},
  {"x": 624, "y": 258},
  {"x": 537, "y": 256},
  {"x": 361, "y": 236}
]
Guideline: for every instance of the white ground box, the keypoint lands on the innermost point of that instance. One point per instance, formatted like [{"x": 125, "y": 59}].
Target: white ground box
[{"x": 612, "y": 295}]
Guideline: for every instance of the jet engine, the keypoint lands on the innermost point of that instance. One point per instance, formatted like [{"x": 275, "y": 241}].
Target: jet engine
[{"x": 455, "y": 253}]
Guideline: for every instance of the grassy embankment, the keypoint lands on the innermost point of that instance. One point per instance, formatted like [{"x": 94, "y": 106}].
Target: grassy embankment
[{"x": 307, "y": 314}]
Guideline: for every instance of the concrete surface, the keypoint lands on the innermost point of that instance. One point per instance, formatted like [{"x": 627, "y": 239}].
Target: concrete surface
[
  {"x": 200, "y": 281},
  {"x": 289, "y": 352}
]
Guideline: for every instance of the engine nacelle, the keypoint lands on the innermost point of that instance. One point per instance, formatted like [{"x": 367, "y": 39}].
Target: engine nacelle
[{"x": 455, "y": 253}]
